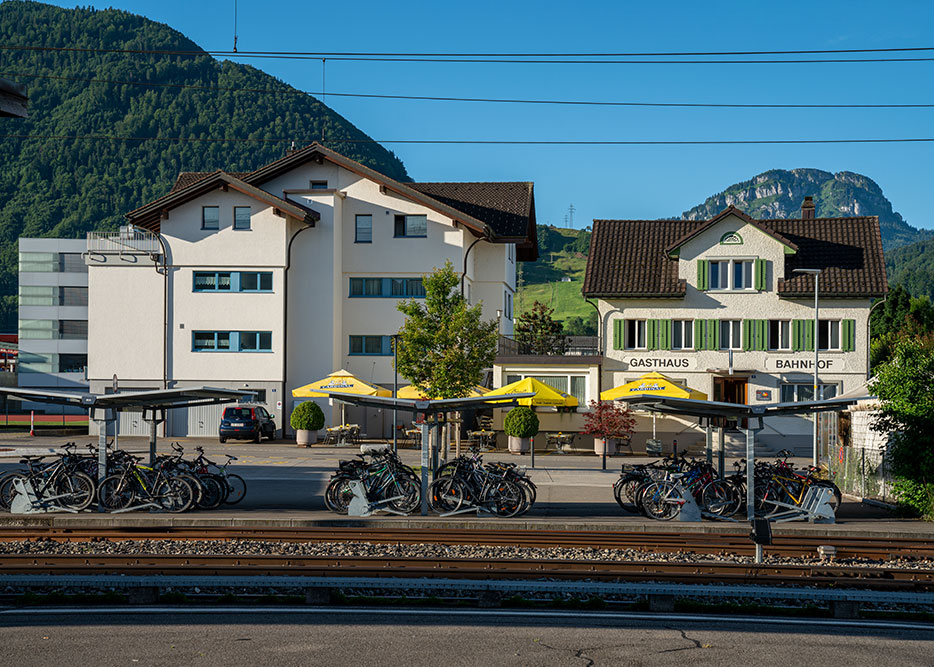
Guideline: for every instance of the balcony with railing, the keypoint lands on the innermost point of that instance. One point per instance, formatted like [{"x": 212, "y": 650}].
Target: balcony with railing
[
  {"x": 129, "y": 240},
  {"x": 556, "y": 350}
]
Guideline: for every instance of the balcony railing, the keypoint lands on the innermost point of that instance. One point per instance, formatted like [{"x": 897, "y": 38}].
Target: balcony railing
[
  {"x": 129, "y": 239},
  {"x": 567, "y": 346}
]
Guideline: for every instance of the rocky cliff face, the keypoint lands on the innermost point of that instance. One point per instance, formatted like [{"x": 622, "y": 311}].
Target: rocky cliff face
[{"x": 778, "y": 193}]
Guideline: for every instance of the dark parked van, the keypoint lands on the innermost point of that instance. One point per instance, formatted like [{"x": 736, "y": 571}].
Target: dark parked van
[{"x": 246, "y": 421}]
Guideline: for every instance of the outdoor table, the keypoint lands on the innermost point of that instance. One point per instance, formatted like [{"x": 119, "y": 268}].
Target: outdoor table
[
  {"x": 560, "y": 441},
  {"x": 486, "y": 439}
]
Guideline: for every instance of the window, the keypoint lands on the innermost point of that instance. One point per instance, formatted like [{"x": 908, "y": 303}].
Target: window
[
  {"x": 73, "y": 296},
  {"x": 507, "y": 304},
  {"x": 73, "y": 329},
  {"x": 371, "y": 345},
  {"x": 210, "y": 217},
  {"x": 37, "y": 262},
  {"x": 319, "y": 185},
  {"x": 210, "y": 340},
  {"x": 72, "y": 363},
  {"x": 742, "y": 274},
  {"x": 511, "y": 252},
  {"x": 411, "y": 226},
  {"x": 37, "y": 329},
  {"x": 737, "y": 274},
  {"x": 363, "y": 229},
  {"x": 32, "y": 362},
  {"x": 795, "y": 393},
  {"x": 719, "y": 275},
  {"x": 241, "y": 217},
  {"x": 400, "y": 288},
  {"x": 232, "y": 281},
  {"x": 828, "y": 334},
  {"x": 779, "y": 334},
  {"x": 731, "y": 334},
  {"x": 71, "y": 262},
  {"x": 255, "y": 341},
  {"x": 682, "y": 334},
  {"x": 37, "y": 296},
  {"x": 635, "y": 334},
  {"x": 260, "y": 281}
]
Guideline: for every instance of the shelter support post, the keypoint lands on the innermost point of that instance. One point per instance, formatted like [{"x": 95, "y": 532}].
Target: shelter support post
[
  {"x": 750, "y": 473},
  {"x": 102, "y": 417},
  {"x": 426, "y": 435},
  {"x": 709, "y": 443},
  {"x": 457, "y": 434},
  {"x": 721, "y": 454},
  {"x": 155, "y": 417}
]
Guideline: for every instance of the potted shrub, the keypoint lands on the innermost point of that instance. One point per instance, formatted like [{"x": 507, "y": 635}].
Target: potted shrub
[
  {"x": 521, "y": 425},
  {"x": 609, "y": 422},
  {"x": 307, "y": 419}
]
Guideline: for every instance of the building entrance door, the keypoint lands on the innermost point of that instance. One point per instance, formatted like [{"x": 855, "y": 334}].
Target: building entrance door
[{"x": 730, "y": 390}]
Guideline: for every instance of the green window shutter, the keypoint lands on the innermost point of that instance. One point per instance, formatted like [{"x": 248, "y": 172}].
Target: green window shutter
[
  {"x": 796, "y": 335},
  {"x": 651, "y": 334},
  {"x": 618, "y": 330},
  {"x": 848, "y": 335},
  {"x": 702, "y": 274},
  {"x": 763, "y": 335},
  {"x": 699, "y": 334},
  {"x": 760, "y": 274},
  {"x": 809, "y": 335},
  {"x": 747, "y": 334}
]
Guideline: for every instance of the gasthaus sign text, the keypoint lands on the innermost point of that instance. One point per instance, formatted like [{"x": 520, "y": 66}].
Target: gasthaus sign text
[{"x": 660, "y": 363}]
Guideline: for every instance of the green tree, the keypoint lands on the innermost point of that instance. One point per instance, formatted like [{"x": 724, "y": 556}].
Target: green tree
[
  {"x": 537, "y": 332},
  {"x": 444, "y": 345},
  {"x": 902, "y": 315},
  {"x": 578, "y": 326},
  {"x": 905, "y": 387}
]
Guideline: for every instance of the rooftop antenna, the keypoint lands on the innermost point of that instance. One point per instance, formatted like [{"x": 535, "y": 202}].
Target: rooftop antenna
[{"x": 235, "y": 27}]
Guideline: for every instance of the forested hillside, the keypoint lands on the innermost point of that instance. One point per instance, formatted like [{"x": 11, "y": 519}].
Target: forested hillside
[{"x": 54, "y": 185}]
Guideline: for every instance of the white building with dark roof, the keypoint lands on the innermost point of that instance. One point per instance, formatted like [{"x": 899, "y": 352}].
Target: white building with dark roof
[{"x": 271, "y": 279}]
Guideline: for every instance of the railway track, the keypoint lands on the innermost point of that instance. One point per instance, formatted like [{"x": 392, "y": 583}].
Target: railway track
[
  {"x": 878, "y": 578},
  {"x": 798, "y": 545}
]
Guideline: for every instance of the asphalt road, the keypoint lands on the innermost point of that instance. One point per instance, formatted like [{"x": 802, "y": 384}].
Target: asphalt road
[{"x": 232, "y": 637}]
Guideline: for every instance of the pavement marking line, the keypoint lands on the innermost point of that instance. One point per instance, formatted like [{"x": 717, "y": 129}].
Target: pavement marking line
[{"x": 460, "y": 613}]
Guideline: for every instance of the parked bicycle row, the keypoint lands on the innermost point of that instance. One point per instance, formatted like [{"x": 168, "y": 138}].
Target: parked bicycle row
[
  {"x": 659, "y": 490},
  {"x": 69, "y": 481},
  {"x": 382, "y": 482}
]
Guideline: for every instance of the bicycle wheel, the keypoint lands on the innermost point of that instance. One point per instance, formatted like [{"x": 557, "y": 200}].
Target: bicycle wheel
[
  {"x": 837, "y": 498},
  {"x": 76, "y": 490},
  {"x": 445, "y": 495},
  {"x": 624, "y": 490},
  {"x": 718, "y": 498},
  {"x": 410, "y": 492},
  {"x": 115, "y": 492},
  {"x": 174, "y": 495},
  {"x": 531, "y": 493},
  {"x": 507, "y": 499},
  {"x": 236, "y": 489},
  {"x": 658, "y": 501},
  {"x": 338, "y": 495},
  {"x": 213, "y": 492},
  {"x": 6, "y": 489}
]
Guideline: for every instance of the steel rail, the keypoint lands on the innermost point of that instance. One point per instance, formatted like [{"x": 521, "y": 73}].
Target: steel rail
[
  {"x": 877, "y": 578},
  {"x": 796, "y": 545}
]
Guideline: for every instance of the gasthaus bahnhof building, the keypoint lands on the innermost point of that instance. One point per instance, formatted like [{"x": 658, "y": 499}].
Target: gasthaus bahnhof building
[
  {"x": 717, "y": 304},
  {"x": 272, "y": 279}
]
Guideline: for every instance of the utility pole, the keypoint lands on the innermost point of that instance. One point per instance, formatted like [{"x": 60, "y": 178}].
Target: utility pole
[{"x": 571, "y": 210}]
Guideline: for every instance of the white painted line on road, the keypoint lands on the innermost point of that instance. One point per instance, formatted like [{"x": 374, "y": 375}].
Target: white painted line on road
[{"x": 462, "y": 613}]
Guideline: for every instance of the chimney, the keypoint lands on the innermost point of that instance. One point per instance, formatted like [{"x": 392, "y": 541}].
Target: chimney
[{"x": 807, "y": 209}]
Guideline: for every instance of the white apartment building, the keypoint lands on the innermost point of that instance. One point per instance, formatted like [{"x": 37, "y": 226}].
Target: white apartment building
[
  {"x": 53, "y": 316},
  {"x": 717, "y": 304},
  {"x": 271, "y": 279}
]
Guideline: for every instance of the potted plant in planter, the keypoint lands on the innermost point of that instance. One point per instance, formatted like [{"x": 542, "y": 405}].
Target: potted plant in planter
[
  {"x": 608, "y": 422},
  {"x": 307, "y": 419},
  {"x": 521, "y": 425}
]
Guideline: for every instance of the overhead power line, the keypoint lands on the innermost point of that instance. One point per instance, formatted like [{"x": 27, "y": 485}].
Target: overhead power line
[
  {"x": 439, "y": 98},
  {"x": 488, "y": 142},
  {"x": 685, "y": 58}
]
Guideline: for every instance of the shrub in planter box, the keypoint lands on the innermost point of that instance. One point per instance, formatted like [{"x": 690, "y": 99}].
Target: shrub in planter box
[
  {"x": 307, "y": 419},
  {"x": 608, "y": 422},
  {"x": 521, "y": 425}
]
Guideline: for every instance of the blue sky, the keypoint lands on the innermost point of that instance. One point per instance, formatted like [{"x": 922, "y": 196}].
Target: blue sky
[{"x": 605, "y": 181}]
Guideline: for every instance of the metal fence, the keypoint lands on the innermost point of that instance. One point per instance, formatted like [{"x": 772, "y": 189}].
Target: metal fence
[{"x": 862, "y": 472}]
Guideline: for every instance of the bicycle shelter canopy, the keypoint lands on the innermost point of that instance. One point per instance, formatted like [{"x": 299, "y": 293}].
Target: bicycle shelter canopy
[{"x": 105, "y": 408}]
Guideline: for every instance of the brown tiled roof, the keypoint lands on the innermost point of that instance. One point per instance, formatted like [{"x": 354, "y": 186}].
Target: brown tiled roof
[
  {"x": 629, "y": 258},
  {"x": 187, "y": 178},
  {"x": 503, "y": 206},
  {"x": 730, "y": 210}
]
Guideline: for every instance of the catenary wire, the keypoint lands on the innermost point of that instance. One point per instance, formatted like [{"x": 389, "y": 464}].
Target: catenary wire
[
  {"x": 489, "y": 142},
  {"x": 439, "y": 98}
]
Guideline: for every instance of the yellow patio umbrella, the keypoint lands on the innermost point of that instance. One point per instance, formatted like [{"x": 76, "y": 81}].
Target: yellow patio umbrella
[
  {"x": 545, "y": 395},
  {"x": 340, "y": 381},
  {"x": 411, "y": 391},
  {"x": 652, "y": 384}
]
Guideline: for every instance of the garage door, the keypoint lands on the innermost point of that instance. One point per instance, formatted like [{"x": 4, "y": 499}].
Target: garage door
[
  {"x": 131, "y": 423},
  {"x": 204, "y": 420}
]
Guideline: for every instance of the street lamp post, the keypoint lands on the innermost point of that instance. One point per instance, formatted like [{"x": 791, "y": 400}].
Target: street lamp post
[{"x": 816, "y": 273}]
